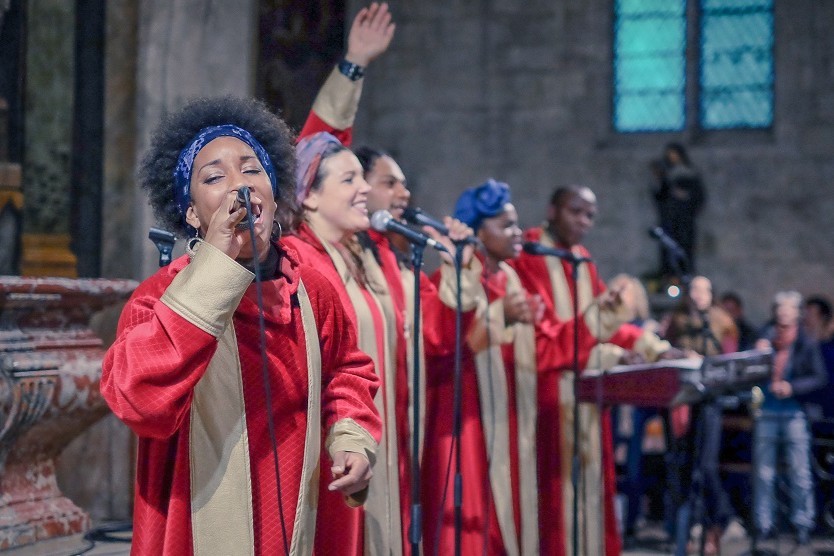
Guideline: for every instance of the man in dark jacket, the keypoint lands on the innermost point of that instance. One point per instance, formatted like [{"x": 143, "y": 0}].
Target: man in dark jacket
[{"x": 782, "y": 425}]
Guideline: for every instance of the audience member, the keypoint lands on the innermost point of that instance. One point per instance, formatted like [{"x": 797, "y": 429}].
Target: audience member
[
  {"x": 782, "y": 426},
  {"x": 747, "y": 333}
]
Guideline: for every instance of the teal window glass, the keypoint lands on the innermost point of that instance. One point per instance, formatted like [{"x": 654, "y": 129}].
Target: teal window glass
[
  {"x": 649, "y": 65},
  {"x": 736, "y": 77}
]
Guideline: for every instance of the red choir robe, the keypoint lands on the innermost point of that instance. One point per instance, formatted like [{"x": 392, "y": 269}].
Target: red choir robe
[
  {"x": 377, "y": 529},
  {"x": 551, "y": 279},
  {"x": 185, "y": 374},
  {"x": 497, "y": 441}
]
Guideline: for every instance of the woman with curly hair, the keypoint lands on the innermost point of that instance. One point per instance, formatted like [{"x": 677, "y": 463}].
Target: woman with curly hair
[{"x": 233, "y": 387}]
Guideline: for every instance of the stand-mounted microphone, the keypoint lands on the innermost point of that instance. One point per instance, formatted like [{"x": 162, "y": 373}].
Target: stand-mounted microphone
[
  {"x": 660, "y": 234},
  {"x": 533, "y": 248},
  {"x": 382, "y": 221},
  {"x": 418, "y": 217}
]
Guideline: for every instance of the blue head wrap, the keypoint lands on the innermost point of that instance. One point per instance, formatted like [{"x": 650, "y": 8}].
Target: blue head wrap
[
  {"x": 185, "y": 163},
  {"x": 484, "y": 201}
]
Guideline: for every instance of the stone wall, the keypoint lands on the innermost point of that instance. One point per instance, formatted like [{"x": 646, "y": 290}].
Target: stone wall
[
  {"x": 186, "y": 49},
  {"x": 521, "y": 90}
]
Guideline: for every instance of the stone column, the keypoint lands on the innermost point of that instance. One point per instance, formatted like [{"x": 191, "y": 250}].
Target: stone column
[{"x": 187, "y": 49}]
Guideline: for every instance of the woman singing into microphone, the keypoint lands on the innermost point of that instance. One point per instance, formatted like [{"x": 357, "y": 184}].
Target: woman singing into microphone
[{"x": 230, "y": 432}]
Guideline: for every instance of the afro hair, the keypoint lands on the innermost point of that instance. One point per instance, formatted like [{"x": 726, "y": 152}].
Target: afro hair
[{"x": 175, "y": 131}]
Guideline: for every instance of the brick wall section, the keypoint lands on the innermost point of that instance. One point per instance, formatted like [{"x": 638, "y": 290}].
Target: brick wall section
[{"x": 521, "y": 90}]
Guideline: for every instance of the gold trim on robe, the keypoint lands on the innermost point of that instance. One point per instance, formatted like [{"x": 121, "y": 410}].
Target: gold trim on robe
[
  {"x": 338, "y": 100},
  {"x": 382, "y": 523},
  {"x": 526, "y": 377}
]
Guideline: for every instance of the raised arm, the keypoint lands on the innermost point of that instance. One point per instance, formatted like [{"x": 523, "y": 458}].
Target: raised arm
[{"x": 337, "y": 102}]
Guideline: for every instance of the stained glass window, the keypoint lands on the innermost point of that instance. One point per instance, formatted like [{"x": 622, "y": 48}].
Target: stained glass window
[
  {"x": 736, "y": 63},
  {"x": 735, "y": 73},
  {"x": 649, "y": 65}
]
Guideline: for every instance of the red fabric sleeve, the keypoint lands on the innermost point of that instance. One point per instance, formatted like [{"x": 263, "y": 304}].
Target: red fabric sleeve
[
  {"x": 439, "y": 319},
  {"x": 554, "y": 344},
  {"x": 626, "y": 336},
  {"x": 149, "y": 373},
  {"x": 314, "y": 124}
]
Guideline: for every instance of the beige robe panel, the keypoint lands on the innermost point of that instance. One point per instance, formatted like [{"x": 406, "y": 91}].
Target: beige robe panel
[
  {"x": 407, "y": 277},
  {"x": 524, "y": 350},
  {"x": 383, "y": 527},
  {"x": 494, "y": 401}
]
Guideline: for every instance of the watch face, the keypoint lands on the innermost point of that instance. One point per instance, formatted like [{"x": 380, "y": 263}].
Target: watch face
[{"x": 350, "y": 70}]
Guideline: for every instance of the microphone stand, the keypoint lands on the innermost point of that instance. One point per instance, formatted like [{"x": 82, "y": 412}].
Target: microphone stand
[
  {"x": 575, "y": 467},
  {"x": 416, "y": 529},
  {"x": 457, "y": 403},
  {"x": 575, "y": 464}
]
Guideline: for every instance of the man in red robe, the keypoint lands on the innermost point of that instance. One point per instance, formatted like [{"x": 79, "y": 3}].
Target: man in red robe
[{"x": 600, "y": 321}]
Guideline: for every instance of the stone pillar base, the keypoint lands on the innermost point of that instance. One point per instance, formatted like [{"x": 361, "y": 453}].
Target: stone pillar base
[
  {"x": 28, "y": 522},
  {"x": 48, "y": 255}
]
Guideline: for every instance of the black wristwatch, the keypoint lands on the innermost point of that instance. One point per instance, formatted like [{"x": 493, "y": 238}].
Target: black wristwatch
[{"x": 352, "y": 71}]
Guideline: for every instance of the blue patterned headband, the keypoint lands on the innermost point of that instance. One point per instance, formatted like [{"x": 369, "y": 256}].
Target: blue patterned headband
[{"x": 185, "y": 163}]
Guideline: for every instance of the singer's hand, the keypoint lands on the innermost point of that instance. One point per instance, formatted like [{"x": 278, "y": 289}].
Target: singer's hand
[
  {"x": 221, "y": 232},
  {"x": 370, "y": 34},
  {"x": 611, "y": 299},
  {"x": 352, "y": 472},
  {"x": 517, "y": 309},
  {"x": 537, "y": 307},
  {"x": 458, "y": 231},
  {"x": 631, "y": 358},
  {"x": 763, "y": 343},
  {"x": 673, "y": 353},
  {"x": 781, "y": 389}
]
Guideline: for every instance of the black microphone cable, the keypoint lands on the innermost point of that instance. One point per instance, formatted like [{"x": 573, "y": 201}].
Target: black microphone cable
[
  {"x": 116, "y": 532},
  {"x": 243, "y": 197}
]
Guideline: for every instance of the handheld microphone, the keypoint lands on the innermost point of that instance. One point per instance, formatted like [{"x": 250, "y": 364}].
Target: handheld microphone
[
  {"x": 243, "y": 200},
  {"x": 533, "y": 248},
  {"x": 660, "y": 234},
  {"x": 382, "y": 221},
  {"x": 417, "y": 217}
]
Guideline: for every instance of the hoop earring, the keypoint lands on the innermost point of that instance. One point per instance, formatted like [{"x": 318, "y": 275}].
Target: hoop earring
[{"x": 276, "y": 237}]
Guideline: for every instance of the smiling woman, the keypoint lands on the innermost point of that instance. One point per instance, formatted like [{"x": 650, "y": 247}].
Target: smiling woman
[
  {"x": 331, "y": 188},
  {"x": 231, "y": 429}
]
